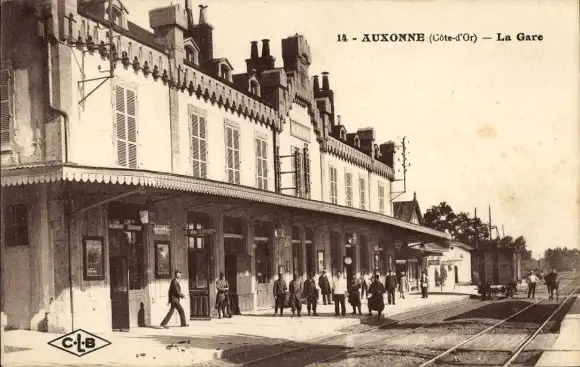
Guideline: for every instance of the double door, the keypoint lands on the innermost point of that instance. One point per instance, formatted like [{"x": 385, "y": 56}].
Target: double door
[{"x": 199, "y": 270}]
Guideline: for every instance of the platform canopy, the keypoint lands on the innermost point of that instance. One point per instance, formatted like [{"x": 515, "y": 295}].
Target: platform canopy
[{"x": 155, "y": 180}]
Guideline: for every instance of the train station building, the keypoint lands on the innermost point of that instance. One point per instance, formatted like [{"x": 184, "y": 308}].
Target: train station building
[{"x": 128, "y": 154}]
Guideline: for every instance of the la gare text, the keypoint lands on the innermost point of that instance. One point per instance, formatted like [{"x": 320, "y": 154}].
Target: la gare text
[{"x": 421, "y": 37}]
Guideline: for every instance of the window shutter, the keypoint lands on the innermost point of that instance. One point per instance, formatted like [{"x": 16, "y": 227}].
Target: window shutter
[
  {"x": 236, "y": 138},
  {"x": 195, "y": 144},
  {"x": 131, "y": 129},
  {"x": 121, "y": 126},
  {"x": 202, "y": 147},
  {"x": 230, "y": 153},
  {"x": 258, "y": 163},
  {"x": 5, "y": 107}
]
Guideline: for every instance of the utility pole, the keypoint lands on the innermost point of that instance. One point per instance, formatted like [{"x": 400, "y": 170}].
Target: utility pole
[{"x": 404, "y": 165}]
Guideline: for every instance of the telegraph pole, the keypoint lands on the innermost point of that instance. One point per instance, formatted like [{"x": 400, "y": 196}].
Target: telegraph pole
[{"x": 404, "y": 165}]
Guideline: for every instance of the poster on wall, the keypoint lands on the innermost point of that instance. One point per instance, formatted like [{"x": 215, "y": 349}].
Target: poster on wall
[
  {"x": 93, "y": 259},
  {"x": 162, "y": 260}
]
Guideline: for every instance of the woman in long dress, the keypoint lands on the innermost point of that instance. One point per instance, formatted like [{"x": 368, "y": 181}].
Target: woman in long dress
[{"x": 376, "y": 301}]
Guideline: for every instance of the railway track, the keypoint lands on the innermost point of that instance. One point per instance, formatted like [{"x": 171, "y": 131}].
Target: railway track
[
  {"x": 312, "y": 349},
  {"x": 513, "y": 355}
]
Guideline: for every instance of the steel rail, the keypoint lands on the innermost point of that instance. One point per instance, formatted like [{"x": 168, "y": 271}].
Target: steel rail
[
  {"x": 533, "y": 336},
  {"x": 439, "y": 356},
  {"x": 344, "y": 335}
]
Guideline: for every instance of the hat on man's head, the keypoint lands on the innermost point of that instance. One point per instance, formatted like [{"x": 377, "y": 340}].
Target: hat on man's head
[{"x": 221, "y": 273}]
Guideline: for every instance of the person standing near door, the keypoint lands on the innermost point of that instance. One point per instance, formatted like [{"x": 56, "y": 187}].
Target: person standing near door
[
  {"x": 391, "y": 285},
  {"x": 174, "y": 296},
  {"x": 325, "y": 289},
  {"x": 364, "y": 283},
  {"x": 222, "y": 302},
  {"x": 339, "y": 292},
  {"x": 295, "y": 294},
  {"x": 311, "y": 294},
  {"x": 279, "y": 295},
  {"x": 424, "y": 285}
]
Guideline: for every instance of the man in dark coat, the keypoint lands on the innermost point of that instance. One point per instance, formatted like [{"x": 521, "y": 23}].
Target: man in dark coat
[
  {"x": 551, "y": 280},
  {"x": 424, "y": 284},
  {"x": 354, "y": 295},
  {"x": 376, "y": 301},
  {"x": 311, "y": 294},
  {"x": 279, "y": 295},
  {"x": 295, "y": 294},
  {"x": 391, "y": 285},
  {"x": 174, "y": 296},
  {"x": 222, "y": 301},
  {"x": 325, "y": 288}
]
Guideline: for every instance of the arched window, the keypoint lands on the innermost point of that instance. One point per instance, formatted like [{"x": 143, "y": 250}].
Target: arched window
[
  {"x": 356, "y": 141},
  {"x": 343, "y": 134},
  {"x": 225, "y": 72},
  {"x": 189, "y": 54},
  {"x": 254, "y": 88}
]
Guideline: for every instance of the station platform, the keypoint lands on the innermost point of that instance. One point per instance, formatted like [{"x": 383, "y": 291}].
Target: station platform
[
  {"x": 566, "y": 349},
  {"x": 202, "y": 341}
]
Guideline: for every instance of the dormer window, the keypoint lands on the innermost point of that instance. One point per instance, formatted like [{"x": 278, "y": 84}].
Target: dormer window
[
  {"x": 343, "y": 134},
  {"x": 116, "y": 16},
  {"x": 224, "y": 72},
  {"x": 356, "y": 141},
  {"x": 254, "y": 88},
  {"x": 190, "y": 54}
]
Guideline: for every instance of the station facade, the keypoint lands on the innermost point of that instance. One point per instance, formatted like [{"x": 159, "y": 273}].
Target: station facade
[{"x": 128, "y": 154}]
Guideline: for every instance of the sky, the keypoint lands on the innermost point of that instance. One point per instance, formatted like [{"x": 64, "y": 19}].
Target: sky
[{"x": 488, "y": 123}]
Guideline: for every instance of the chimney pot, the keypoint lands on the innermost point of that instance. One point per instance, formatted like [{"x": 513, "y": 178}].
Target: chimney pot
[
  {"x": 265, "y": 48},
  {"x": 254, "y": 50},
  {"x": 338, "y": 118},
  {"x": 202, "y": 14},
  {"x": 325, "y": 83},
  {"x": 316, "y": 83}
]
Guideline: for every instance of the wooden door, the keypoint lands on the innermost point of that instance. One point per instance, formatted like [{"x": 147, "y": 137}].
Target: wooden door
[
  {"x": 119, "y": 272},
  {"x": 199, "y": 271},
  {"x": 231, "y": 275}
]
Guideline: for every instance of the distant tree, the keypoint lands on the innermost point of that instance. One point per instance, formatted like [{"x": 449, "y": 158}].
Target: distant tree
[
  {"x": 460, "y": 226},
  {"x": 562, "y": 258},
  {"x": 443, "y": 276}
]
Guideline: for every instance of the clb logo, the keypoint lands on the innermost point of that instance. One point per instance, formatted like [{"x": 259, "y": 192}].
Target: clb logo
[{"x": 79, "y": 343}]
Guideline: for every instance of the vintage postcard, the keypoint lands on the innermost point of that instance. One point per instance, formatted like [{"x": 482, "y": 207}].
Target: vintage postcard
[{"x": 290, "y": 183}]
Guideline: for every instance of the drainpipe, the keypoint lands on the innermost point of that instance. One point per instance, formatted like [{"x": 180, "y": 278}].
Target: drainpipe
[{"x": 64, "y": 150}]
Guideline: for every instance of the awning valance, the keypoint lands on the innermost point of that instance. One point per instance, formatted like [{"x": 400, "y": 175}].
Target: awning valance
[{"x": 45, "y": 174}]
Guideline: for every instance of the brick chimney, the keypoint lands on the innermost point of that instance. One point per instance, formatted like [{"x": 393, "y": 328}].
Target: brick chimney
[
  {"x": 203, "y": 36},
  {"x": 387, "y": 154},
  {"x": 367, "y": 140},
  {"x": 169, "y": 24},
  {"x": 325, "y": 82}
]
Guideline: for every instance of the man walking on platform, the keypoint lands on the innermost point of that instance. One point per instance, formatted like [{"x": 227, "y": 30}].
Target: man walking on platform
[
  {"x": 279, "y": 295},
  {"x": 391, "y": 285},
  {"x": 174, "y": 296},
  {"x": 311, "y": 294}
]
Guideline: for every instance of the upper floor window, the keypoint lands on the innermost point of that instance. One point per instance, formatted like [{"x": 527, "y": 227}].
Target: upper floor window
[
  {"x": 362, "y": 192},
  {"x": 343, "y": 134},
  {"x": 190, "y": 54},
  {"x": 254, "y": 88},
  {"x": 333, "y": 184},
  {"x": 298, "y": 175},
  {"x": 15, "y": 225},
  {"x": 348, "y": 187},
  {"x": 356, "y": 141},
  {"x": 117, "y": 16},
  {"x": 126, "y": 127},
  {"x": 5, "y": 108},
  {"x": 261, "y": 163},
  {"x": 198, "y": 126},
  {"x": 381, "y": 199},
  {"x": 233, "y": 153},
  {"x": 224, "y": 72}
]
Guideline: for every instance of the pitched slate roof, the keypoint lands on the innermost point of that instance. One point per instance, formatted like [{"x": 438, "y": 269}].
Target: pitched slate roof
[{"x": 403, "y": 210}]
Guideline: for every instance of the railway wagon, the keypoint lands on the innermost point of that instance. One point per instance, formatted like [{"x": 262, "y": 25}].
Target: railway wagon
[{"x": 498, "y": 271}]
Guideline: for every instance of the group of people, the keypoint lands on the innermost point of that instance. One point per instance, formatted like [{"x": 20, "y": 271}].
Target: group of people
[
  {"x": 342, "y": 290},
  {"x": 551, "y": 279},
  {"x": 339, "y": 288}
]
